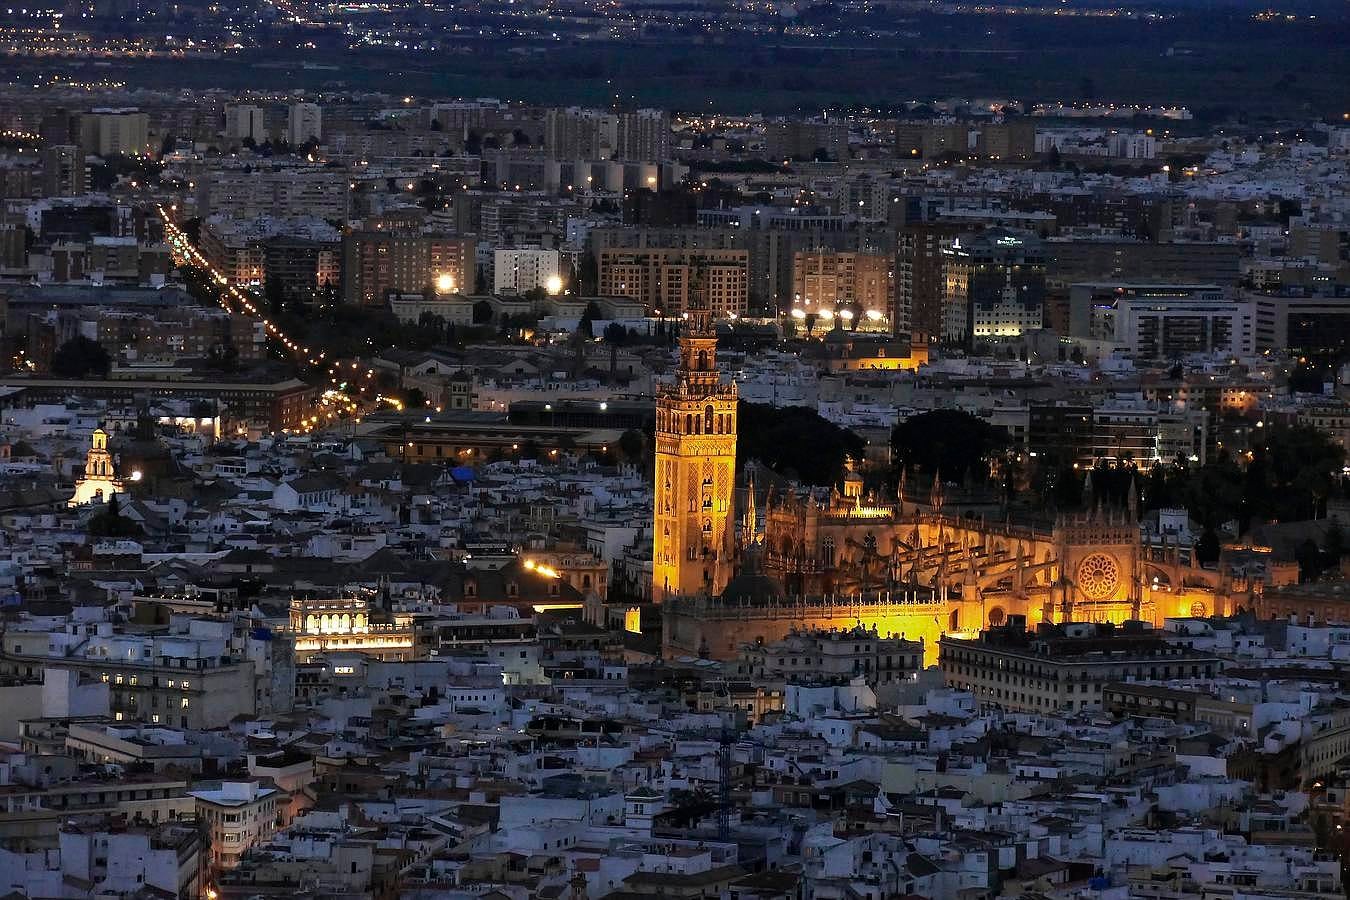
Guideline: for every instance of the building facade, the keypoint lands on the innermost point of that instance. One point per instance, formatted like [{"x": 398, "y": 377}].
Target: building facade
[
  {"x": 522, "y": 271},
  {"x": 378, "y": 262},
  {"x": 304, "y": 123},
  {"x": 995, "y": 286},
  {"x": 856, "y": 282},
  {"x": 919, "y": 282},
  {"x": 1062, "y": 668},
  {"x": 663, "y": 279}
]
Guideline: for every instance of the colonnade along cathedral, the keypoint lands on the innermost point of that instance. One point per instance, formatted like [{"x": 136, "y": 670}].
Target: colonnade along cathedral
[{"x": 794, "y": 557}]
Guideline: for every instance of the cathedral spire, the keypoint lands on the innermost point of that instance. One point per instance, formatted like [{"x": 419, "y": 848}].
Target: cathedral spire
[{"x": 750, "y": 522}]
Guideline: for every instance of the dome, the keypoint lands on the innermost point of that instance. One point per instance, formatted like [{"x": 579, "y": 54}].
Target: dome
[{"x": 754, "y": 589}]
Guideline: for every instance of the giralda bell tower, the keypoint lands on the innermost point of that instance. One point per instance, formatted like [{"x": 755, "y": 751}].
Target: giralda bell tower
[{"x": 693, "y": 534}]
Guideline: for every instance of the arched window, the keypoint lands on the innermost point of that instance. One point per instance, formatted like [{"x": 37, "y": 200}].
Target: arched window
[
  {"x": 827, "y": 552},
  {"x": 703, "y": 360},
  {"x": 707, "y": 526},
  {"x": 708, "y": 419},
  {"x": 688, "y": 424}
]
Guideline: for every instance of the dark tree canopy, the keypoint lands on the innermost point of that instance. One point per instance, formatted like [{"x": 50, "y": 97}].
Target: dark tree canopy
[
  {"x": 80, "y": 357},
  {"x": 948, "y": 441},
  {"x": 111, "y": 523},
  {"x": 589, "y": 316},
  {"x": 633, "y": 445},
  {"x": 796, "y": 442},
  {"x": 1207, "y": 549},
  {"x": 1292, "y": 472}
]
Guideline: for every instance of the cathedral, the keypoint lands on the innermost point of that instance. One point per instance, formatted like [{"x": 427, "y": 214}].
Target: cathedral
[{"x": 824, "y": 558}]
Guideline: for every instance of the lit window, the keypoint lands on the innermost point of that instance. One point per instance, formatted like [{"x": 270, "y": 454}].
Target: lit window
[{"x": 184, "y": 703}]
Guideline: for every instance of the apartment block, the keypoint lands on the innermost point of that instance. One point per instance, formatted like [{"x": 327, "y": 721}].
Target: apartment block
[{"x": 664, "y": 279}]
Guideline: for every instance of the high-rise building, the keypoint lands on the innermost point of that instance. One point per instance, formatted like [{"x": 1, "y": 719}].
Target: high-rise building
[
  {"x": 664, "y": 278},
  {"x": 63, "y": 173},
  {"x": 13, "y": 246},
  {"x": 302, "y": 266},
  {"x": 312, "y": 191},
  {"x": 1013, "y": 139},
  {"x": 692, "y": 533},
  {"x": 644, "y": 135},
  {"x": 521, "y": 271},
  {"x": 304, "y": 122},
  {"x": 995, "y": 285},
  {"x": 59, "y": 126},
  {"x": 244, "y": 121},
  {"x": 919, "y": 282},
  {"x": 858, "y": 282},
  {"x": 378, "y": 262},
  {"x": 576, "y": 133},
  {"x": 797, "y": 139},
  {"x": 112, "y": 132}
]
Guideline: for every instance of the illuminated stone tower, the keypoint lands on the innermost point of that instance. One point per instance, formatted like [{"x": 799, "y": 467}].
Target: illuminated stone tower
[
  {"x": 99, "y": 482},
  {"x": 693, "y": 534}
]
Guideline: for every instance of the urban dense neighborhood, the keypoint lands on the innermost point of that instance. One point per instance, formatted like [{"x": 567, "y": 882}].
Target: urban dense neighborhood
[{"x": 420, "y": 496}]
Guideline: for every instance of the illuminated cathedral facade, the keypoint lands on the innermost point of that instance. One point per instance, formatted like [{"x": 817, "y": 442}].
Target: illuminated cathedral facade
[{"x": 826, "y": 558}]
